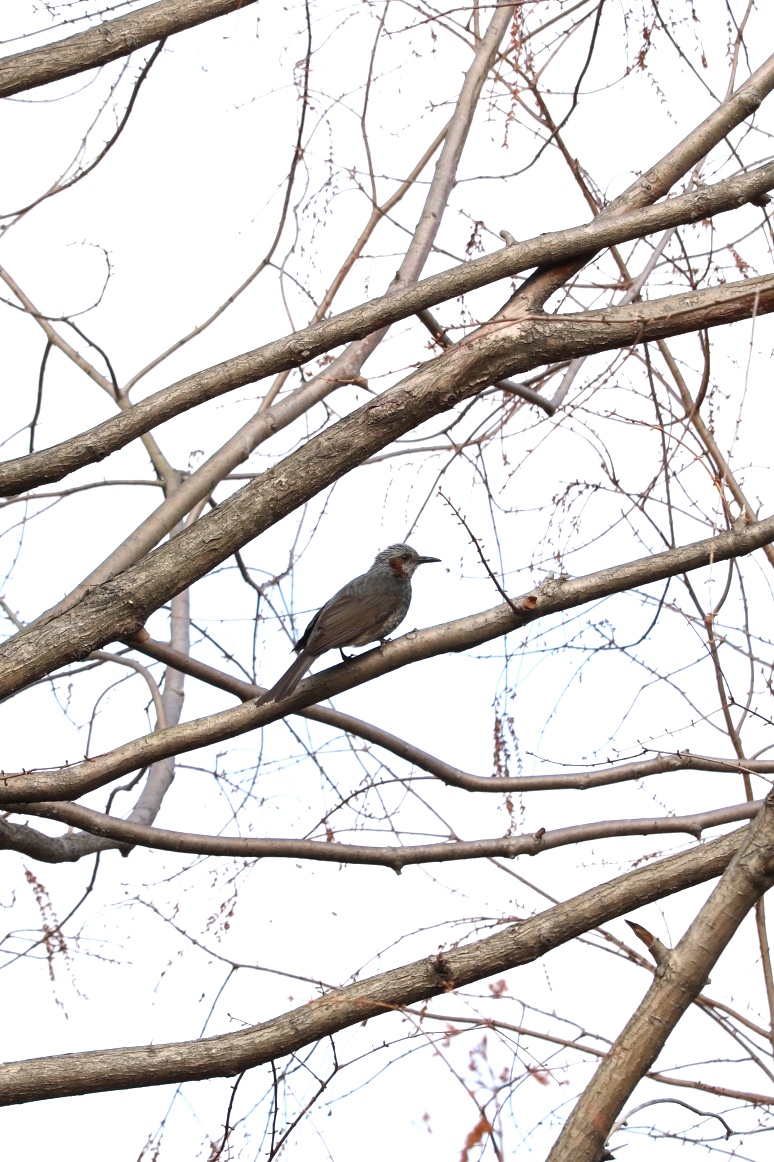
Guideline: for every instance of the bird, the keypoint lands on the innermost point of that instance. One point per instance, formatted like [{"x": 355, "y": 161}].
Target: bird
[{"x": 366, "y": 609}]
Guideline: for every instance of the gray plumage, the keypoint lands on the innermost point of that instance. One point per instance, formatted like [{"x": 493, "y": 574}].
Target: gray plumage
[{"x": 367, "y": 609}]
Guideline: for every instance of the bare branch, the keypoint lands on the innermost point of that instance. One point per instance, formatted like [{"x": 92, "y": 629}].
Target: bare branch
[
  {"x": 674, "y": 988},
  {"x": 580, "y": 1047},
  {"x": 160, "y": 463},
  {"x": 52, "y": 464},
  {"x": 552, "y": 597},
  {"x": 396, "y": 858},
  {"x": 116, "y": 609},
  {"x": 226, "y": 1055},
  {"x": 489, "y": 784},
  {"x": 106, "y": 42},
  {"x": 162, "y": 773},
  {"x": 659, "y": 179}
]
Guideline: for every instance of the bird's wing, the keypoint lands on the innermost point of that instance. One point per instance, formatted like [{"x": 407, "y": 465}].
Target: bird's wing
[
  {"x": 348, "y": 617},
  {"x": 303, "y": 641}
]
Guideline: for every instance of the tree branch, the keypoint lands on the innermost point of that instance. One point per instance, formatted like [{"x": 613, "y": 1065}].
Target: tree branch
[
  {"x": 580, "y": 1047},
  {"x": 659, "y": 179},
  {"x": 551, "y": 597},
  {"x": 118, "y": 608},
  {"x": 226, "y": 1055},
  {"x": 675, "y": 986},
  {"x": 451, "y": 775},
  {"x": 124, "y": 832},
  {"x": 162, "y": 773},
  {"x": 51, "y": 464},
  {"x": 107, "y": 41},
  {"x": 344, "y": 369}
]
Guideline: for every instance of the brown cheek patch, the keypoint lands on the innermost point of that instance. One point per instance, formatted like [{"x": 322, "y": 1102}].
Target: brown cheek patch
[{"x": 396, "y": 565}]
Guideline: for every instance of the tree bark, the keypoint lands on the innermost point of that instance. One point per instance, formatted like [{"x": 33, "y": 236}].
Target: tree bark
[
  {"x": 224, "y": 1056},
  {"x": 51, "y": 464},
  {"x": 675, "y": 986},
  {"x": 550, "y": 597},
  {"x": 106, "y": 42}
]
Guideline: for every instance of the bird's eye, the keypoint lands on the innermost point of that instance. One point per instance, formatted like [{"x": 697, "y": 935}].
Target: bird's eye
[{"x": 405, "y": 556}]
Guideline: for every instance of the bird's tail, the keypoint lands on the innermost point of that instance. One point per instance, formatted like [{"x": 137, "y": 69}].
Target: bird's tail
[{"x": 289, "y": 679}]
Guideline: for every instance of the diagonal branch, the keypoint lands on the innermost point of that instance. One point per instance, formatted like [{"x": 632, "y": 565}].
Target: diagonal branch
[
  {"x": 675, "y": 986},
  {"x": 294, "y": 350},
  {"x": 107, "y": 41},
  {"x": 117, "y": 608},
  {"x": 161, "y": 465},
  {"x": 346, "y": 367},
  {"x": 463, "y": 634},
  {"x": 659, "y": 179},
  {"x": 453, "y": 777},
  {"x": 111, "y": 1069}
]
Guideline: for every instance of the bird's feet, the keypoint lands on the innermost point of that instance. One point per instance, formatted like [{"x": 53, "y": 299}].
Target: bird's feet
[{"x": 345, "y": 657}]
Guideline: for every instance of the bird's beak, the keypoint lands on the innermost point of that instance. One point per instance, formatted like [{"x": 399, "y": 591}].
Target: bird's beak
[{"x": 427, "y": 560}]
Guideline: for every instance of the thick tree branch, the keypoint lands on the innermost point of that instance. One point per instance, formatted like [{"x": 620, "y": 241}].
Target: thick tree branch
[
  {"x": 345, "y": 368},
  {"x": 675, "y": 986},
  {"x": 107, "y": 41},
  {"x": 224, "y": 1056},
  {"x": 53, "y": 463},
  {"x": 116, "y": 609},
  {"x": 552, "y": 597}
]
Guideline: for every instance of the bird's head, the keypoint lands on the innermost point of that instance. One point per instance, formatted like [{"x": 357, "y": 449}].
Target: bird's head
[{"x": 402, "y": 560}]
